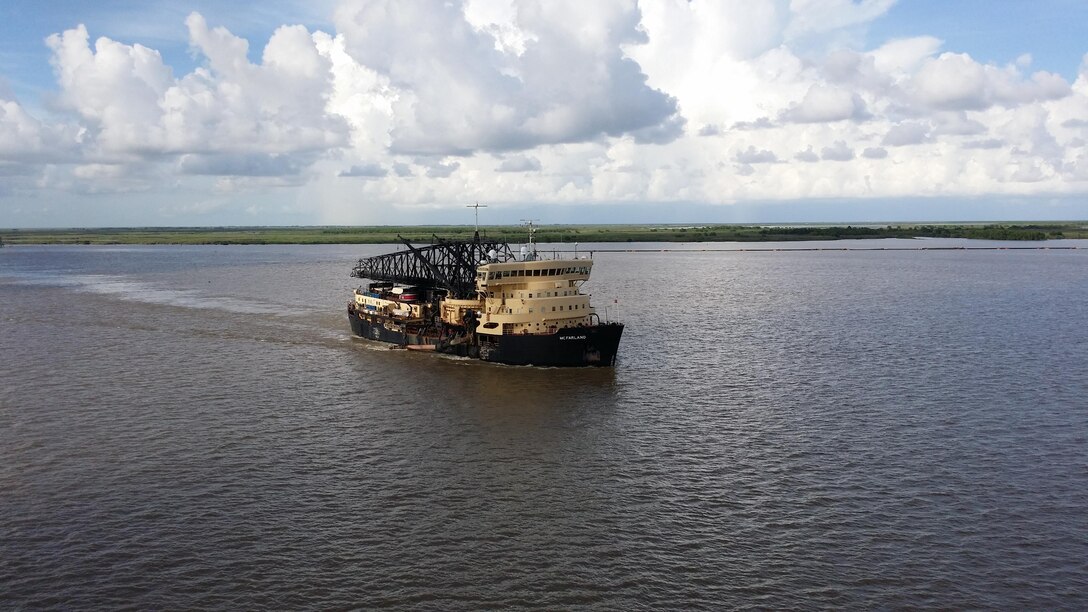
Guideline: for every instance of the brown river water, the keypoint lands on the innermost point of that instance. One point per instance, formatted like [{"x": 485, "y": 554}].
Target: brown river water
[{"x": 196, "y": 428}]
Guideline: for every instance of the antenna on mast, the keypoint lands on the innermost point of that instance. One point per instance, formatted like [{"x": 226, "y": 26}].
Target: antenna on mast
[
  {"x": 531, "y": 255},
  {"x": 477, "y": 206}
]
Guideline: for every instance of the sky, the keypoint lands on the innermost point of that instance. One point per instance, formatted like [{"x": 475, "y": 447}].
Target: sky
[{"x": 376, "y": 112}]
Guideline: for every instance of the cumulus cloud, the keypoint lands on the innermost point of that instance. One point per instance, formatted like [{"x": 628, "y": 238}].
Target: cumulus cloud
[
  {"x": 823, "y": 104},
  {"x": 955, "y": 81},
  {"x": 903, "y": 56},
  {"x": 763, "y": 123},
  {"x": 753, "y": 156},
  {"x": 807, "y": 156},
  {"x": 956, "y": 124},
  {"x": 620, "y": 101},
  {"x": 661, "y": 133},
  {"x": 26, "y": 139},
  {"x": 519, "y": 163},
  {"x": 1028, "y": 172},
  {"x": 837, "y": 152},
  {"x": 245, "y": 164},
  {"x": 132, "y": 102},
  {"x": 906, "y": 133},
  {"x": 442, "y": 169},
  {"x": 116, "y": 86},
  {"x": 460, "y": 90},
  {"x": 988, "y": 143},
  {"x": 1077, "y": 169},
  {"x": 373, "y": 170},
  {"x": 712, "y": 56}
]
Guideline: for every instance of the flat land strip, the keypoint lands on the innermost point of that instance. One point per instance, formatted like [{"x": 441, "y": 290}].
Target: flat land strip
[{"x": 544, "y": 234}]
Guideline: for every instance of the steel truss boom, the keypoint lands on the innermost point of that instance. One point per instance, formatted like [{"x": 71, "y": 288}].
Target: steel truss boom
[{"x": 444, "y": 264}]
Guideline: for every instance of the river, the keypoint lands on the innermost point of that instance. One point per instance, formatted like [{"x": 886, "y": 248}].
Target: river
[{"x": 195, "y": 427}]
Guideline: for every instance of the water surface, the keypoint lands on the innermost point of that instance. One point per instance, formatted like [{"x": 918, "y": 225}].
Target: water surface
[{"x": 195, "y": 427}]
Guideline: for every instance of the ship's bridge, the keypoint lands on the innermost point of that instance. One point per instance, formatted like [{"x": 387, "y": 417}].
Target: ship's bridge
[
  {"x": 533, "y": 297},
  {"x": 518, "y": 272}
]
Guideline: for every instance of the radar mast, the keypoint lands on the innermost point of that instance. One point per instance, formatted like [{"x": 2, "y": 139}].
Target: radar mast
[
  {"x": 477, "y": 206},
  {"x": 529, "y": 254}
]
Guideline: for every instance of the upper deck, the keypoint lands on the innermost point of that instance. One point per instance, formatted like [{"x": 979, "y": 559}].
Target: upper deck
[{"x": 523, "y": 272}]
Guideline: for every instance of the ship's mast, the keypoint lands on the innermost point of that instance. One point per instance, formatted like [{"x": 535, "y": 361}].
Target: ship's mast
[
  {"x": 530, "y": 254},
  {"x": 477, "y": 206}
]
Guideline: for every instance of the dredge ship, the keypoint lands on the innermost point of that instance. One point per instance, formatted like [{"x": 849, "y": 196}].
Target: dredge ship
[{"x": 475, "y": 298}]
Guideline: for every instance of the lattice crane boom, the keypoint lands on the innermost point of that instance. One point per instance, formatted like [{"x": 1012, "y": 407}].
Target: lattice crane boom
[{"x": 444, "y": 264}]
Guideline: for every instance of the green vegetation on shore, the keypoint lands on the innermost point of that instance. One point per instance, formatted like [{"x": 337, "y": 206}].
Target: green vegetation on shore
[{"x": 546, "y": 233}]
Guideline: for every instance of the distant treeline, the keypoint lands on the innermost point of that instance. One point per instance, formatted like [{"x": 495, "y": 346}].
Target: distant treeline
[
  {"x": 547, "y": 233},
  {"x": 986, "y": 232}
]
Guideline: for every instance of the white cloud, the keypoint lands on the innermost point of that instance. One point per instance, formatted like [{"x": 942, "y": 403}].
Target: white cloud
[
  {"x": 956, "y": 124},
  {"x": 442, "y": 169},
  {"x": 903, "y": 56},
  {"x": 988, "y": 143},
  {"x": 665, "y": 100},
  {"x": 828, "y": 15},
  {"x": 1077, "y": 168},
  {"x": 132, "y": 103},
  {"x": 235, "y": 164},
  {"x": 26, "y": 139},
  {"x": 808, "y": 156},
  {"x": 906, "y": 133},
  {"x": 519, "y": 163},
  {"x": 360, "y": 96},
  {"x": 838, "y": 151},
  {"x": 723, "y": 62},
  {"x": 954, "y": 81},
  {"x": 753, "y": 156},
  {"x": 823, "y": 104},
  {"x": 371, "y": 170},
  {"x": 460, "y": 90}
]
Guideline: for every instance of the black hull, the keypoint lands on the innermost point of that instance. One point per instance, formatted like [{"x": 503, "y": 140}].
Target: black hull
[
  {"x": 569, "y": 347},
  {"x": 387, "y": 330}
]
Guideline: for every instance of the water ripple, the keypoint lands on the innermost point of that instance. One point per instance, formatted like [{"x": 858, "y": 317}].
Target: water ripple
[{"x": 809, "y": 430}]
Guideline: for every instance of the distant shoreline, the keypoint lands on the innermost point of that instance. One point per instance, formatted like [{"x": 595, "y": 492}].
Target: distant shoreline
[{"x": 545, "y": 234}]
